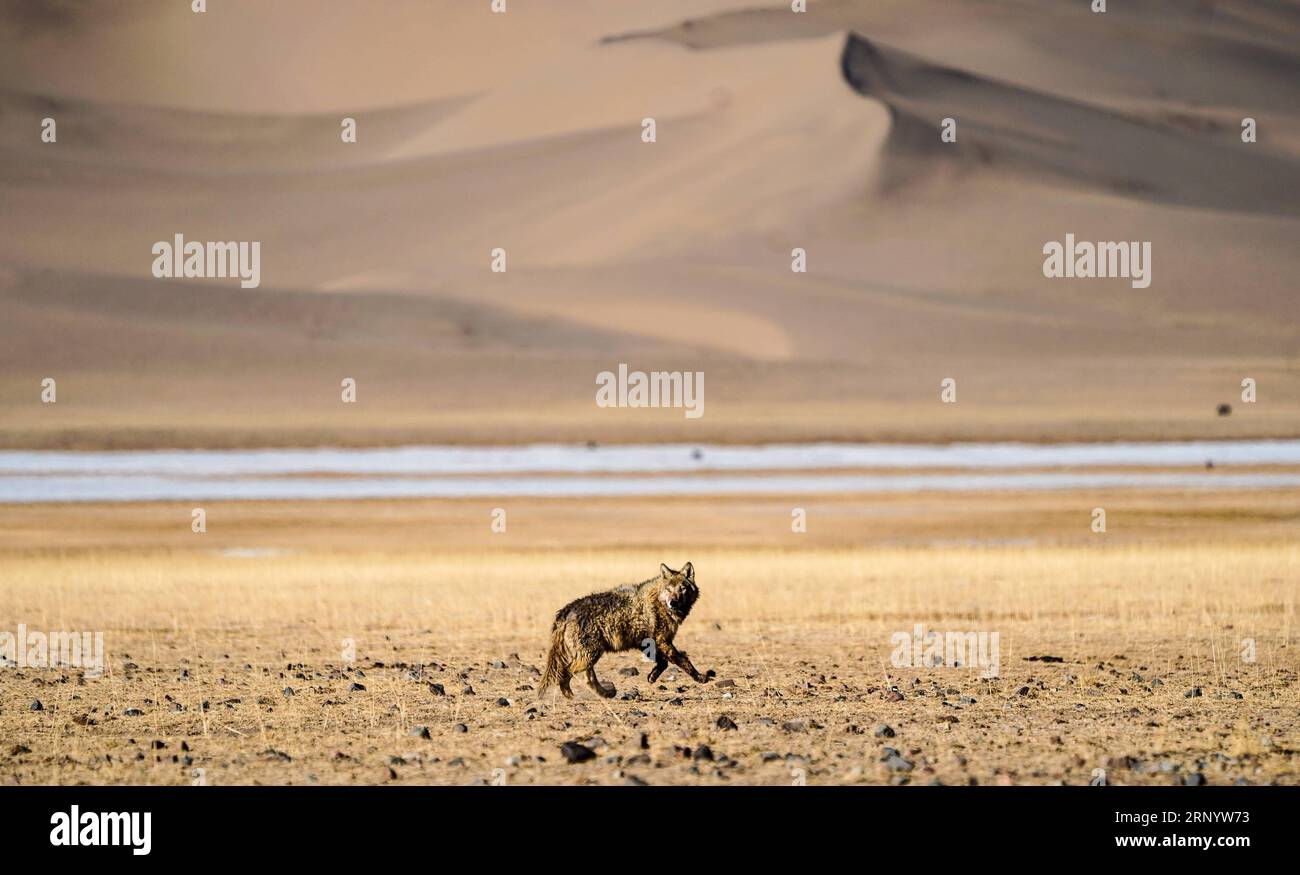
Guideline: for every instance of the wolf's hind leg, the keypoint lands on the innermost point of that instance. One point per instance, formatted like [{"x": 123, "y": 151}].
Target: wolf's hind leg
[
  {"x": 588, "y": 667},
  {"x": 600, "y": 689}
]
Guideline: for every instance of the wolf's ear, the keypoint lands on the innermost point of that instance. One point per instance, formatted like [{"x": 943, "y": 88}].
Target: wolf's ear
[
  {"x": 665, "y": 571},
  {"x": 688, "y": 571}
]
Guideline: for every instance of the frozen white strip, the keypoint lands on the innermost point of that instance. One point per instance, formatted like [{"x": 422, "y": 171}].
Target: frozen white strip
[
  {"x": 645, "y": 458},
  {"x": 27, "y": 490}
]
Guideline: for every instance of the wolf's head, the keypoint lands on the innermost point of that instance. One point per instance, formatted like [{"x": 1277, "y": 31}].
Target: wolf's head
[{"x": 677, "y": 590}]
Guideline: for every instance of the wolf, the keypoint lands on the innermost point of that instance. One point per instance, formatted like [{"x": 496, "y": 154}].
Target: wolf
[{"x": 642, "y": 616}]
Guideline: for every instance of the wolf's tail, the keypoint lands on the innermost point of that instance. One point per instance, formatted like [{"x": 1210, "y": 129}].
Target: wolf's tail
[{"x": 555, "y": 662}]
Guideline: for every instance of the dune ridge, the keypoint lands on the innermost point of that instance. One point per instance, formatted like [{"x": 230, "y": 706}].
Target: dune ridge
[{"x": 776, "y": 132}]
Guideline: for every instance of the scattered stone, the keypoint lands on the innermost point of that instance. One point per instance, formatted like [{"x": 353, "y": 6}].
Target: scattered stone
[
  {"x": 421, "y": 732},
  {"x": 1194, "y": 779},
  {"x": 628, "y": 672},
  {"x": 357, "y": 688},
  {"x": 725, "y": 682},
  {"x": 895, "y": 763},
  {"x": 893, "y": 696},
  {"x": 437, "y": 690},
  {"x": 884, "y": 730},
  {"x": 133, "y": 712},
  {"x": 37, "y": 706},
  {"x": 634, "y": 781},
  {"x": 794, "y": 726},
  {"x": 726, "y": 723},
  {"x": 1044, "y": 659},
  {"x": 496, "y": 663},
  {"x": 576, "y": 753},
  {"x": 460, "y": 727},
  {"x": 1193, "y": 693},
  {"x": 503, "y": 702}
]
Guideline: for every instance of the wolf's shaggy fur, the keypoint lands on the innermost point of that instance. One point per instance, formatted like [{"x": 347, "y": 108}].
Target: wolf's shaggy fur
[{"x": 643, "y": 616}]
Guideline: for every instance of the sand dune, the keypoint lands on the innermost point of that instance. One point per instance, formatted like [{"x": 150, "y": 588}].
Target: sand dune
[
  {"x": 523, "y": 131},
  {"x": 1037, "y": 133}
]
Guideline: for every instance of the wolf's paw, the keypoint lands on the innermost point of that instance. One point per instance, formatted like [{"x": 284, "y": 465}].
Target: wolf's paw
[{"x": 707, "y": 676}]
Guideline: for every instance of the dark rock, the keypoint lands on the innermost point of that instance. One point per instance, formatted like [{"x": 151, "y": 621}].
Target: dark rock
[
  {"x": 884, "y": 730},
  {"x": 726, "y": 723},
  {"x": 576, "y": 753},
  {"x": 895, "y": 763}
]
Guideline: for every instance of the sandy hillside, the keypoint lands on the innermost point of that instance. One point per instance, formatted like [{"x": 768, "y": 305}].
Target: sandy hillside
[{"x": 775, "y": 130}]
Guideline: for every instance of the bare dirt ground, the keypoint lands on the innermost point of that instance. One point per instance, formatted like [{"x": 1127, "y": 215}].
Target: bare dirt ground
[{"x": 227, "y": 659}]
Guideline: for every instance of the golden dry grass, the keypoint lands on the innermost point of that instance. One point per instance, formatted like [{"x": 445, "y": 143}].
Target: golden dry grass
[{"x": 802, "y": 633}]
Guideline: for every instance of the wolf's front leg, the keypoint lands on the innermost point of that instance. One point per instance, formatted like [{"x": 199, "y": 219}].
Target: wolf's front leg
[
  {"x": 661, "y": 663},
  {"x": 682, "y": 661}
]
